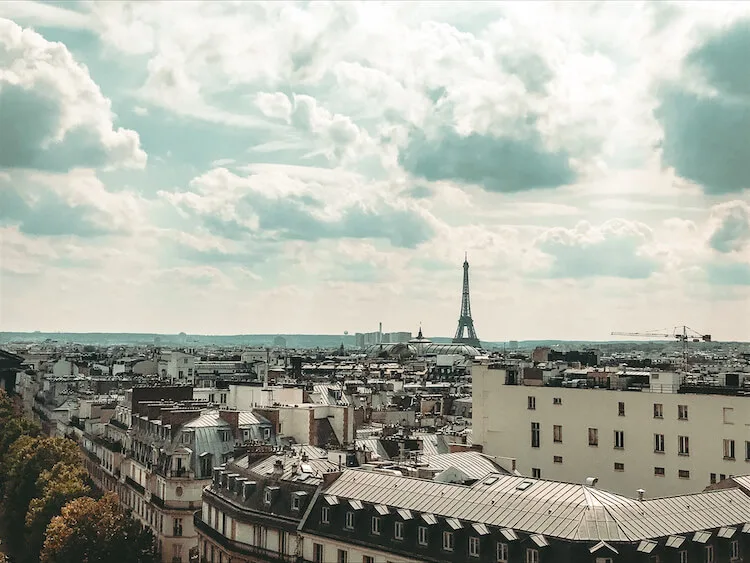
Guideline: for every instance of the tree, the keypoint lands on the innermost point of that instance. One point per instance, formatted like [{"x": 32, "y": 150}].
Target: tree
[
  {"x": 56, "y": 487},
  {"x": 24, "y": 463},
  {"x": 12, "y": 427},
  {"x": 97, "y": 531}
]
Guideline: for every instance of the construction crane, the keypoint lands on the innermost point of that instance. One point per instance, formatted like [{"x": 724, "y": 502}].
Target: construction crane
[{"x": 683, "y": 334}]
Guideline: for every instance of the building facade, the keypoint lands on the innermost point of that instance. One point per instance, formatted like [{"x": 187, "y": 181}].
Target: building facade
[{"x": 664, "y": 437}]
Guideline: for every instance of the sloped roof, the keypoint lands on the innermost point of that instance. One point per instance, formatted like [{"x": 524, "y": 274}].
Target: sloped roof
[
  {"x": 474, "y": 464},
  {"x": 562, "y": 510}
]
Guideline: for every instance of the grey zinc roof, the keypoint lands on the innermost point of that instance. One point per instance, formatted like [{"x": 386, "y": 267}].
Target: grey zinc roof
[
  {"x": 474, "y": 464},
  {"x": 310, "y": 471},
  {"x": 562, "y": 510}
]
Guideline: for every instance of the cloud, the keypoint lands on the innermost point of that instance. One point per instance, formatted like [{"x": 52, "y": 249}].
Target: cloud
[
  {"x": 705, "y": 115},
  {"x": 730, "y": 273},
  {"x": 732, "y": 230},
  {"x": 287, "y": 203},
  {"x": 54, "y": 116},
  {"x": 77, "y": 203},
  {"x": 498, "y": 164},
  {"x": 614, "y": 249}
]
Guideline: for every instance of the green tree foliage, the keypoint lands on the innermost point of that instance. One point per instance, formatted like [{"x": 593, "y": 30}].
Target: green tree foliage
[
  {"x": 57, "y": 487},
  {"x": 96, "y": 531},
  {"x": 12, "y": 427},
  {"x": 27, "y": 458}
]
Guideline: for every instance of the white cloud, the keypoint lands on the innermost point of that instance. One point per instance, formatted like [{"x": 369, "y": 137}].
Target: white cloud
[{"x": 54, "y": 116}]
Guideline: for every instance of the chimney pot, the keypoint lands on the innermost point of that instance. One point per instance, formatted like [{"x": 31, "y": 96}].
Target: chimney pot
[{"x": 640, "y": 492}]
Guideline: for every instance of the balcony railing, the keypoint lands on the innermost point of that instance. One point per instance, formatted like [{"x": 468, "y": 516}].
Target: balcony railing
[{"x": 242, "y": 549}]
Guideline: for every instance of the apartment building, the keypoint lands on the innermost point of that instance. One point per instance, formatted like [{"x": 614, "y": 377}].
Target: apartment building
[
  {"x": 177, "y": 367},
  {"x": 662, "y": 436},
  {"x": 158, "y": 456},
  {"x": 254, "y": 504},
  {"x": 379, "y": 518}
]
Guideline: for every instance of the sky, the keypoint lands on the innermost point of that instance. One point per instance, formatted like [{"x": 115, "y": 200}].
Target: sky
[{"x": 237, "y": 167}]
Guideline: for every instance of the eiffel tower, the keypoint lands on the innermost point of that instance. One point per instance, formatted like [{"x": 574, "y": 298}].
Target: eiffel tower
[{"x": 465, "y": 323}]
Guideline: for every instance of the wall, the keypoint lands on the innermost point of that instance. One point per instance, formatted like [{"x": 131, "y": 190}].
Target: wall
[{"x": 502, "y": 424}]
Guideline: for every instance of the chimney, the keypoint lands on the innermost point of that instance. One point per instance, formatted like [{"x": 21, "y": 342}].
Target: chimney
[
  {"x": 640, "y": 492},
  {"x": 233, "y": 419},
  {"x": 330, "y": 477},
  {"x": 278, "y": 468}
]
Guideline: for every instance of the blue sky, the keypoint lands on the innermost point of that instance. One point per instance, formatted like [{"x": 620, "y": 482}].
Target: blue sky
[{"x": 245, "y": 167}]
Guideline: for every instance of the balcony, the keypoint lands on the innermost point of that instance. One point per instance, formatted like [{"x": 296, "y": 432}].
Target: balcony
[
  {"x": 242, "y": 549},
  {"x": 135, "y": 485}
]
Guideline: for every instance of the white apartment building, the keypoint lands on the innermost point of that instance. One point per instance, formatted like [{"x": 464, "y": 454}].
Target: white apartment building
[
  {"x": 178, "y": 367},
  {"x": 660, "y": 439}
]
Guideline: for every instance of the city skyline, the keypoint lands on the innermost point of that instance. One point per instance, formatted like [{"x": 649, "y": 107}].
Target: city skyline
[{"x": 251, "y": 168}]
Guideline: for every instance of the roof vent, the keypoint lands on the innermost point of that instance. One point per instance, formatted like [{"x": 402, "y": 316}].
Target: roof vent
[
  {"x": 640, "y": 492},
  {"x": 591, "y": 481}
]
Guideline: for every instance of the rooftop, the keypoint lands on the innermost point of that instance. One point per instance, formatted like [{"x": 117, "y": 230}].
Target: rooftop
[{"x": 562, "y": 510}]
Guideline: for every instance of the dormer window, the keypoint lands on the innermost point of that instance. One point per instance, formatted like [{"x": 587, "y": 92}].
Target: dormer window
[
  {"x": 225, "y": 435},
  {"x": 267, "y": 497},
  {"x": 350, "y": 520},
  {"x": 187, "y": 437},
  {"x": 295, "y": 502},
  {"x": 325, "y": 515}
]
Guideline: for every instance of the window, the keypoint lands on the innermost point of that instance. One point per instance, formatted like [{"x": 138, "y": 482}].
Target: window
[
  {"x": 557, "y": 400},
  {"x": 557, "y": 433},
  {"x": 557, "y": 459},
  {"x": 398, "y": 530},
  {"x": 619, "y": 466},
  {"x": 735, "y": 550},
  {"x": 181, "y": 374},
  {"x": 317, "y": 553},
  {"x": 709, "y": 551},
  {"x": 325, "y": 515},
  {"x": 295, "y": 502},
  {"x": 722, "y": 476},
  {"x": 604, "y": 560},
  {"x": 502, "y": 552},
  {"x": 422, "y": 535},
  {"x": 535, "y": 432},
  {"x": 474, "y": 547},
  {"x": 620, "y": 409},
  {"x": 659, "y": 443},
  {"x": 683, "y": 445},
  {"x": 729, "y": 449},
  {"x": 343, "y": 556},
  {"x": 448, "y": 541},
  {"x": 532, "y": 403},
  {"x": 712, "y": 478},
  {"x": 728, "y": 415},
  {"x": 223, "y": 398},
  {"x": 375, "y": 527},
  {"x": 350, "y": 520},
  {"x": 177, "y": 527},
  {"x": 683, "y": 474},
  {"x": 367, "y": 559},
  {"x": 658, "y": 410},
  {"x": 659, "y": 471},
  {"x": 682, "y": 412},
  {"x": 747, "y": 451},
  {"x": 619, "y": 439},
  {"x": 684, "y": 556},
  {"x": 532, "y": 555},
  {"x": 593, "y": 437},
  {"x": 536, "y": 473},
  {"x": 267, "y": 497}
]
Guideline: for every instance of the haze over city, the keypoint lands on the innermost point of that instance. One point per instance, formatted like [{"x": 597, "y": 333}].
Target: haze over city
[{"x": 235, "y": 168}]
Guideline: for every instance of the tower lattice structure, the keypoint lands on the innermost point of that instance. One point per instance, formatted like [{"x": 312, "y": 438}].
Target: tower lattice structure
[{"x": 465, "y": 322}]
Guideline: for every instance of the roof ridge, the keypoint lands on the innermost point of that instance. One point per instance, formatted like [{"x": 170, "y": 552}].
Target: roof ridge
[{"x": 593, "y": 493}]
